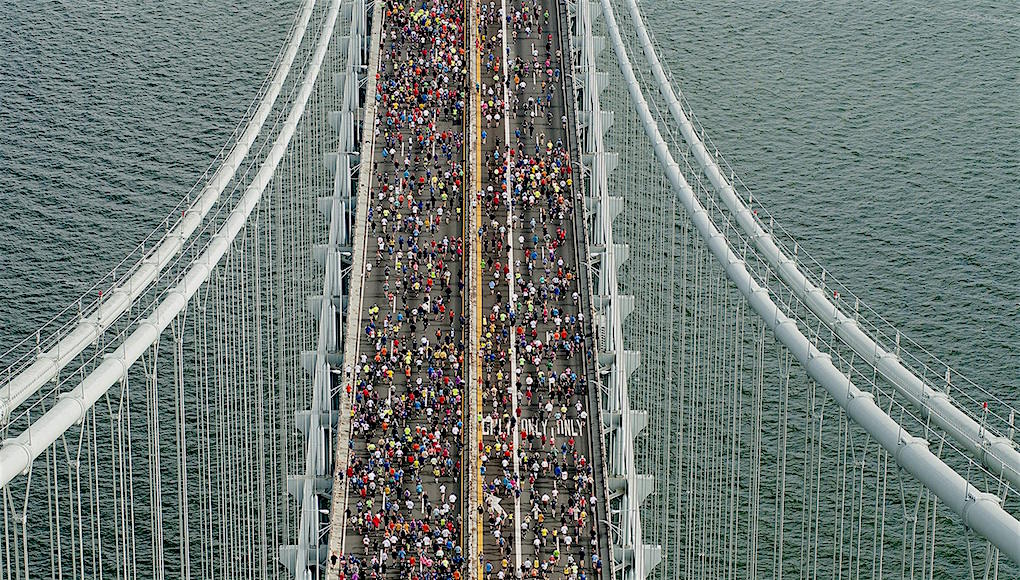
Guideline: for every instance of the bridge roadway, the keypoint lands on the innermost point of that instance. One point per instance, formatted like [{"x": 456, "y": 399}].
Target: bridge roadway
[
  {"x": 403, "y": 504},
  {"x": 537, "y": 476},
  {"x": 403, "y": 490}
]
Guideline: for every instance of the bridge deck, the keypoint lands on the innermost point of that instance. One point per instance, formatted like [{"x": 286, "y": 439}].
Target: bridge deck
[
  {"x": 536, "y": 459},
  {"x": 403, "y": 504},
  {"x": 405, "y": 482}
]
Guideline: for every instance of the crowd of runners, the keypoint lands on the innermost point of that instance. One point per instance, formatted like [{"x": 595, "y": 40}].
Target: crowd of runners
[
  {"x": 538, "y": 485},
  {"x": 404, "y": 515},
  {"x": 405, "y": 478}
]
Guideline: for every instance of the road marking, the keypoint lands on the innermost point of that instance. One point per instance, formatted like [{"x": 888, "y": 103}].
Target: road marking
[
  {"x": 477, "y": 274},
  {"x": 511, "y": 295}
]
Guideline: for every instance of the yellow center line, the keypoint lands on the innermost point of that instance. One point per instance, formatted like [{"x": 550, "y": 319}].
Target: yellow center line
[{"x": 477, "y": 204}]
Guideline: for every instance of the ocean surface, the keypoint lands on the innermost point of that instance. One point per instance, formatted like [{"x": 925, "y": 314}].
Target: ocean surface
[
  {"x": 109, "y": 113},
  {"x": 885, "y": 136}
]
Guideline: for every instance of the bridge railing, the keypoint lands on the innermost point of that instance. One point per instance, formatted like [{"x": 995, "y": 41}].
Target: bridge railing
[{"x": 625, "y": 550}]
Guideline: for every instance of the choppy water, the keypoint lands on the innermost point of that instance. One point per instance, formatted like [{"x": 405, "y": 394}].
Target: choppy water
[
  {"x": 109, "y": 112},
  {"x": 886, "y": 137}
]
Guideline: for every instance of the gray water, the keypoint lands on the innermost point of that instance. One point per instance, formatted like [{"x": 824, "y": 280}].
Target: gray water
[
  {"x": 885, "y": 136},
  {"x": 109, "y": 113}
]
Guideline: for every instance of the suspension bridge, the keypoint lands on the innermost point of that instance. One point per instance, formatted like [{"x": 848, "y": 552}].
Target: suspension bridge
[{"x": 470, "y": 293}]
